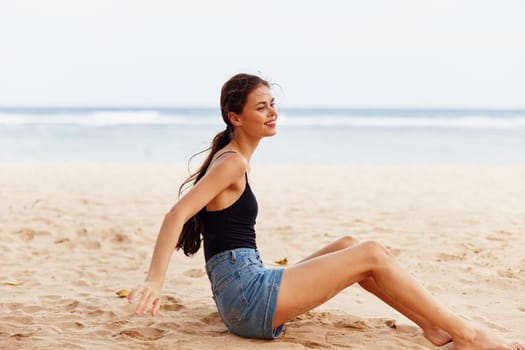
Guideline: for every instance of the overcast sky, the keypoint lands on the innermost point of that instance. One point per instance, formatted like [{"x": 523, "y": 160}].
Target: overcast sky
[{"x": 369, "y": 53}]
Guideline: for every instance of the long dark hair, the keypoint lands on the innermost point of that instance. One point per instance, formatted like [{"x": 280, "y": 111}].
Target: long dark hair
[{"x": 233, "y": 98}]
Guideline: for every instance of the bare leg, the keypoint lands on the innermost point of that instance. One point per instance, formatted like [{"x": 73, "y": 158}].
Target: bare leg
[
  {"x": 434, "y": 334},
  {"x": 309, "y": 284}
]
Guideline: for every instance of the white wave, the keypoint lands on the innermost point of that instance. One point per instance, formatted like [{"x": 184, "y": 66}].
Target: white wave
[
  {"x": 152, "y": 117},
  {"x": 406, "y": 122},
  {"x": 105, "y": 118},
  {"x": 102, "y": 118}
]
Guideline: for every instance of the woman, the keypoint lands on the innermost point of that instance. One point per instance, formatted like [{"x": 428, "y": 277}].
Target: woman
[{"x": 254, "y": 301}]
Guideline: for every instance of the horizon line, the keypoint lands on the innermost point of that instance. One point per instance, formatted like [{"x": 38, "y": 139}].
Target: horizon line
[{"x": 291, "y": 107}]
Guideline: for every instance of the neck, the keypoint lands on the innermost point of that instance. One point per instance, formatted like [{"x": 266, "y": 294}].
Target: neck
[{"x": 245, "y": 145}]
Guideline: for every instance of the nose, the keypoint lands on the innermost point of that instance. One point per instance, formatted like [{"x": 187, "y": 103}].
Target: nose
[{"x": 273, "y": 111}]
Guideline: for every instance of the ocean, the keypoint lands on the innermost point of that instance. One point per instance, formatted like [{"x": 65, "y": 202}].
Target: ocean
[{"x": 304, "y": 135}]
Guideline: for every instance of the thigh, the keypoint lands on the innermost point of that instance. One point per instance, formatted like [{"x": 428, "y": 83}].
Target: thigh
[
  {"x": 341, "y": 243},
  {"x": 312, "y": 282}
]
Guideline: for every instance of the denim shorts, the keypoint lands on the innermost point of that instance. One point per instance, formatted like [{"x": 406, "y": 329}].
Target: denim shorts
[{"x": 245, "y": 292}]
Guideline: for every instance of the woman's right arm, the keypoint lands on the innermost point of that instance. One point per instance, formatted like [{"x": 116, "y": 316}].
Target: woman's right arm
[{"x": 223, "y": 173}]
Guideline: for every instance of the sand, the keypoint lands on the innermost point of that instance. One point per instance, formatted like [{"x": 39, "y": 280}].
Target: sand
[{"x": 74, "y": 234}]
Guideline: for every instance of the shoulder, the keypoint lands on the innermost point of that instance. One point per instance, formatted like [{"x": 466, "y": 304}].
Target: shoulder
[{"x": 228, "y": 163}]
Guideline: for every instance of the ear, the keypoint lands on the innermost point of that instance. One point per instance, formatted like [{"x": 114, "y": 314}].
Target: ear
[{"x": 234, "y": 118}]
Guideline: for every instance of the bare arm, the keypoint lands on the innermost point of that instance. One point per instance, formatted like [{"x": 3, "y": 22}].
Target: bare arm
[{"x": 222, "y": 174}]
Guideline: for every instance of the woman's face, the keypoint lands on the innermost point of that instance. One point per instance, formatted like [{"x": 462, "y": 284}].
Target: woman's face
[{"x": 259, "y": 115}]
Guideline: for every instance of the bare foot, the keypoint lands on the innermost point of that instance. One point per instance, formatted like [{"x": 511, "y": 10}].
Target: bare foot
[
  {"x": 481, "y": 340},
  {"x": 437, "y": 336}
]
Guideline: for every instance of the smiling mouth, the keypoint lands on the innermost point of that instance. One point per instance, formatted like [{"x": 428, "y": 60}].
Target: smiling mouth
[{"x": 270, "y": 123}]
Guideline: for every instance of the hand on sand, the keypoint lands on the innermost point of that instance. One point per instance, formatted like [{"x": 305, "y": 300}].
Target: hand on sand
[{"x": 148, "y": 294}]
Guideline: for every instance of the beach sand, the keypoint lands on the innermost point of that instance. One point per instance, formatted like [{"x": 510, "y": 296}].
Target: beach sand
[{"x": 74, "y": 234}]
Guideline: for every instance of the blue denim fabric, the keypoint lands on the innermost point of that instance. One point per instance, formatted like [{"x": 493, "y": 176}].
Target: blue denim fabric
[{"x": 245, "y": 292}]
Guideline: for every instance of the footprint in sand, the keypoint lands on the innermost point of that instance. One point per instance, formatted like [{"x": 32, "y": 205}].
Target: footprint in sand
[
  {"x": 211, "y": 318},
  {"x": 120, "y": 322},
  {"x": 82, "y": 232},
  {"x": 306, "y": 343},
  {"x": 194, "y": 273},
  {"x": 62, "y": 240},
  {"x": 305, "y": 330},
  {"x": 451, "y": 257},
  {"x": 91, "y": 244},
  {"x": 72, "y": 305},
  {"x": 325, "y": 330},
  {"x": 14, "y": 306},
  {"x": 98, "y": 313},
  {"x": 81, "y": 283},
  {"x": 501, "y": 235},
  {"x": 338, "y": 339},
  {"x": 380, "y": 229},
  {"x": 359, "y": 325},
  {"x": 28, "y": 234},
  {"x": 171, "y": 304},
  {"x": 120, "y": 238},
  {"x": 147, "y": 333},
  {"x": 30, "y": 309},
  {"x": 509, "y": 273},
  {"x": 72, "y": 325},
  {"x": 25, "y": 334},
  {"x": 41, "y": 219}
]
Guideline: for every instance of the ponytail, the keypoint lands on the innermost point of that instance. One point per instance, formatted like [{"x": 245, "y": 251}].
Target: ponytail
[{"x": 190, "y": 238}]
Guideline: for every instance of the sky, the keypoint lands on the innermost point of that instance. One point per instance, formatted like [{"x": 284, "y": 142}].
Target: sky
[{"x": 370, "y": 53}]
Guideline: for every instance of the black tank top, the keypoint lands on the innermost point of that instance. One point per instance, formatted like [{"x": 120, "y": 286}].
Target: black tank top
[{"x": 232, "y": 227}]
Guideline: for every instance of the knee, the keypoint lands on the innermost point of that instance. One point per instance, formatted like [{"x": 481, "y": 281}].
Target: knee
[
  {"x": 378, "y": 254},
  {"x": 346, "y": 241}
]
